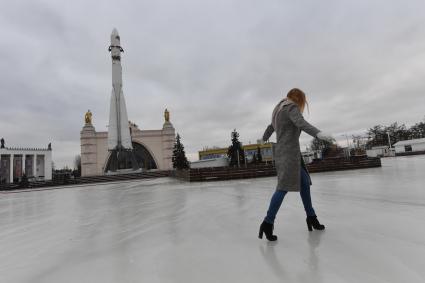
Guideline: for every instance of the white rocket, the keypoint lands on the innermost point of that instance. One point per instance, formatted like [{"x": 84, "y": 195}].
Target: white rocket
[{"x": 118, "y": 132}]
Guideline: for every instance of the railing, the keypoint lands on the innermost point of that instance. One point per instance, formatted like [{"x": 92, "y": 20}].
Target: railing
[{"x": 266, "y": 170}]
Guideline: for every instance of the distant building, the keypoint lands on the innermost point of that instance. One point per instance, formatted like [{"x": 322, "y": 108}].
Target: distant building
[
  {"x": 380, "y": 151},
  {"x": 250, "y": 149},
  {"x": 410, "y": 146},
  {"x": 35, "y": 163},
  {"x": 207, "y": 163}
]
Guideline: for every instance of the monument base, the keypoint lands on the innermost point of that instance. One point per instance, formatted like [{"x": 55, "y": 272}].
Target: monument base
[
  {"x": 122, "y": 160},
  {"x": 153, "y": 149}
]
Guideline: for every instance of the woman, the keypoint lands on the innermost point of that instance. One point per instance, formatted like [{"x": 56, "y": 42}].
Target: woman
[{"x": 292, "y": 173}]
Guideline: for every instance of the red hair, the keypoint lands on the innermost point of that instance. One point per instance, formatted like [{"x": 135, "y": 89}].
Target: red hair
[{"x": 298, "y": 96}]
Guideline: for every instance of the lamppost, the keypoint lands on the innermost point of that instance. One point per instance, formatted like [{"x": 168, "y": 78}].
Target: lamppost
[
  {"x": 347, "y": 152},
  {"x": 391, "y": 152}
]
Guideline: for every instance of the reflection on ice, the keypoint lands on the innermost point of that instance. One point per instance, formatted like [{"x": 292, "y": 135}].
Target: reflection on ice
[{"x": 169, "y": 231}]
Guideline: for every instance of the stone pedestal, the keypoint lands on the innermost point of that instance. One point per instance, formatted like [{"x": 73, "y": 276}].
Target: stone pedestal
[
  {"x": 94, "y": 147},
  {"x": 168, "y": 140},
  {"x": 88, "y": 150}
]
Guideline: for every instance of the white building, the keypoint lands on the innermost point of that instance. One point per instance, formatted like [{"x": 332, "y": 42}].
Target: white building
[
  {"x": 410, "y": 146},
  {"x": 380, "y": 151},
  {"x": 35, "y": 163},
  {"x": 309, "y": 156}
]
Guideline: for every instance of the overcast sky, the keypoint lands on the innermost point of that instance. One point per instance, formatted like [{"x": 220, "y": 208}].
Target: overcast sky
[{"x": 216, "y": 65}]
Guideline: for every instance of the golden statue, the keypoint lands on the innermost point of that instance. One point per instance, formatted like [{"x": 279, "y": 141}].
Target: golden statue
[
  {"x": 167, "y": 115},
  {"x": 88, "y": 116}
]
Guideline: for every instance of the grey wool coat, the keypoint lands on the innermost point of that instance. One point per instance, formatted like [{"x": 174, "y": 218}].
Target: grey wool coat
[{"x": 288, "y": 122}]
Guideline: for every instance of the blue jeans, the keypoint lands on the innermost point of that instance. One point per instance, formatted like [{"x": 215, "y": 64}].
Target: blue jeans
[{"x": 278, "y": 196}]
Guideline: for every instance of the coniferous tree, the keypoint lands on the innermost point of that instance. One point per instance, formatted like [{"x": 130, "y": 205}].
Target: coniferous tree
[
  {"x": 24, "y": 181},
  {"x": 77, "y": 166},
  {"x": 259, "y": 155},
  {"x": 234, "y": 149},
  {"x": 254, "y": 159},
  {"x": 179, "y": 156}
]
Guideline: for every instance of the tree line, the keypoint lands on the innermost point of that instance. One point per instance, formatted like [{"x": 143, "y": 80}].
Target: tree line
[{"x": 378, "y": 135}]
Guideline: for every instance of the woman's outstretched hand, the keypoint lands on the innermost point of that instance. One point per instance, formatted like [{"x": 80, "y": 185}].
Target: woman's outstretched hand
[{"x": 325, "y": 137}]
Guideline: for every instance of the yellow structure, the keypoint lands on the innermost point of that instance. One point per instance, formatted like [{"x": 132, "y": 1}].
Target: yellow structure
[
  {"x": 249, "y": 149},
  {"x": 88, "y": 117}
]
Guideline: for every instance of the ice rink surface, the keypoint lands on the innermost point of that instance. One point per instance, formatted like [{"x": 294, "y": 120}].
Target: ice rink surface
[{"x": 165, "y": 230}]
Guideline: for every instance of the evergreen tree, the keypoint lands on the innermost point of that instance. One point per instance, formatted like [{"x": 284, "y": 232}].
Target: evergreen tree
[
  {"x": 254, "y": 159},
  {"x": 259, "y": 156},
  {"x": 77, "y": 166},
  {"x": 179, "y": 156},
  {"x": 24, "y": 181},
  {"x": 234, "y": 149}
]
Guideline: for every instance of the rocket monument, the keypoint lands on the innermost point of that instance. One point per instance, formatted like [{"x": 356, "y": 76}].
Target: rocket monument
[{"x": 119, "y": 138}]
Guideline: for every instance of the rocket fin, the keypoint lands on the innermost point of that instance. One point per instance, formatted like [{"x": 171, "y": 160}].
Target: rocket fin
[{"x": 125, "y": 128}]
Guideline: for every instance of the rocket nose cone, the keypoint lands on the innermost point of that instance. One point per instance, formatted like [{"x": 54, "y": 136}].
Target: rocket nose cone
[{"x": 115, "y": 38}]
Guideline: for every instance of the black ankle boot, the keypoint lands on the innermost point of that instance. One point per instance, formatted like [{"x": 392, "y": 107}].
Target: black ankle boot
[
  {"x": 312, "y": 222},
  {"x": 267, "y": 229}
]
